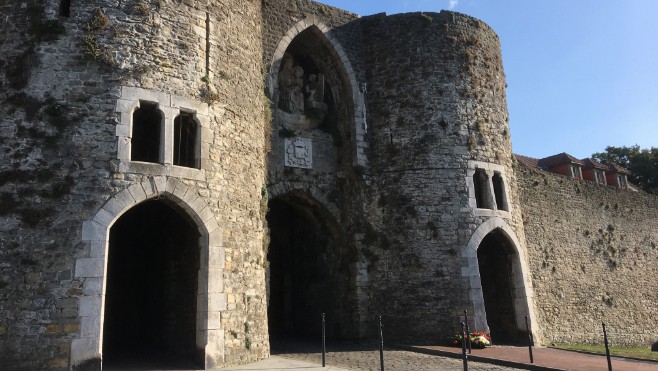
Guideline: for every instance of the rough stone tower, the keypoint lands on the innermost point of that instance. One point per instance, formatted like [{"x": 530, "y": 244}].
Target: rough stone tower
[
  {"x": 443, "y": 182},
  {"x": 133, "y": 149},
  {"x": 383, "y": 190}
]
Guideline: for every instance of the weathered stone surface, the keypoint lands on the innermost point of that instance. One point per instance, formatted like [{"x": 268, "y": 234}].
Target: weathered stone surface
[
  {"x": 415, "y": 106},
  {"x": 590, "y": 248},
  {"x": 74, "y": 118}
]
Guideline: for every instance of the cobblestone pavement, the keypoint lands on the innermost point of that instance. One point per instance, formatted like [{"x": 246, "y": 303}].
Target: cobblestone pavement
[{"x": 363, "y": 357}]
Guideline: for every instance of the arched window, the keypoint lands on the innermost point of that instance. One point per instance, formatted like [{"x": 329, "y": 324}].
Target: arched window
[
  {"x": 186, "y": 140},
  {"x": 65, "y": 8},
  {"x": 146, "y": 133},
  {"x": 482, "y": 191},
  {"x": 499, "y": 191}
]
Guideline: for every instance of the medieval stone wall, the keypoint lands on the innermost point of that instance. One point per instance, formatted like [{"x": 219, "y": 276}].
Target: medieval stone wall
[
  {"x": 61, "y": 123},
  {"x": 436, "y": 99},
  {"x": 328, "y": 40},
  {"x": 58, "y": 150},
  {"x": 592, "y": 252},
  {"x": 419, "y": 107},
  {"x": 279, "y": 16}
]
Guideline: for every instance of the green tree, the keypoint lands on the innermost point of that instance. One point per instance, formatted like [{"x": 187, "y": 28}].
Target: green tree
[{"x": 642, "y": 163}]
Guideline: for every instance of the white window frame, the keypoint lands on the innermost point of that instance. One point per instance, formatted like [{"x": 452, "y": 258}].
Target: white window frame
[
  {"x": 491, "y": 169},
  {"x": 171, "y": 106}
]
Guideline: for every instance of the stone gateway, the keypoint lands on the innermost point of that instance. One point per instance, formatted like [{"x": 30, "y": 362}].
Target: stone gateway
[{"x": 191, "y": 183}]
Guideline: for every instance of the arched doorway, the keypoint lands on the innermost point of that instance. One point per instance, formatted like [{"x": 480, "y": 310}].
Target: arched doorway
[
  {"x": 496, "y": 260},
  {"x": 308, "y": 272},
  {"x": 151, "y": 294}
]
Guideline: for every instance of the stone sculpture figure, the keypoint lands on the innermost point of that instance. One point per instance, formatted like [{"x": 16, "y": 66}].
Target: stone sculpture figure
[
  {"x": 296, "y": 104},
  {"x": 285, "y": 81},
  {"x": 314, "y": 89},
  {"x": 291, "y": 85},
  {"x": 302, "y": 96}
]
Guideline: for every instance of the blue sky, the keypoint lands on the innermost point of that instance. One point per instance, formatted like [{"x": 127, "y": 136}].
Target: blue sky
[{"x": 581, "y": 74}]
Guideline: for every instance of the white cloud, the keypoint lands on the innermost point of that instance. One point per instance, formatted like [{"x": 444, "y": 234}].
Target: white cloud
[{"x": 453, "y": 4}]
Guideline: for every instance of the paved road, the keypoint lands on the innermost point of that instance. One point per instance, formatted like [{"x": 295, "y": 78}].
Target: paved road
[
  {"x": 363, "y": 357},
  {"x": 278, "y": 363},
  {"x": 393, "y": 360}
]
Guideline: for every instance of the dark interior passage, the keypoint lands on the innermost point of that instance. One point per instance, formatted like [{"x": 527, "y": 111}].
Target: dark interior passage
[
  {"x": 495, "y": 262},
  {"x": 150, "y": 302},
  {"x": 147, "y": 122},
  {"x": 308, "y": 274},
  {"x": 65, "y": 8},
  {"x": 185, "y": 140}
]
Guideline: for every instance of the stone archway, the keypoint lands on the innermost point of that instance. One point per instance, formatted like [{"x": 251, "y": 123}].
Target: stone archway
[
  {"x": 496, "y": 259},
  {"x": 91, "y": 269},
  {"x": 150, "y": 315},
  {"x": 352, "y": 92},
  {"x": 308, "y": 272},
  {"x": 493, "y": 234}
]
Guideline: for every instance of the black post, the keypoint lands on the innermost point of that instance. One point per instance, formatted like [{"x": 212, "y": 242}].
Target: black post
[
  {"x": 607, "y": 350},
  {"x": 324, "y": 345},
  {"x": 381, "y": 344},
  {"x": 468, "y": 332},
  {"x": 464, "y": 356},
  {"x": 527, "y": 326}
]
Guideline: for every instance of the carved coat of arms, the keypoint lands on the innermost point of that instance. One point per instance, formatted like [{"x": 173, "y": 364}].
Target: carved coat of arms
[{"x": 299, "y": 153}]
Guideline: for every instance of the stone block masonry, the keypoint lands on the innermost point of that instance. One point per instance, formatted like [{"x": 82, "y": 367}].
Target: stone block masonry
[
  {"x": 353, "y": 166},
  {"x": 591, "y": 251},
  {"x": 63, "y": 179},
  {"x": 436, "y": 102}
]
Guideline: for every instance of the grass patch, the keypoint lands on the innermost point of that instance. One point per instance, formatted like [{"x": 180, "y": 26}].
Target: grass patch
[{"x": 617, "y": 351}]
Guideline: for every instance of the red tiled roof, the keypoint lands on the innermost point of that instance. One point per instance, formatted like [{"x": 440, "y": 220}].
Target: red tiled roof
[
  {"x": 559, "y": 159},
  {"x": 530, "y": 162},
  {"x": 589, "y": 164},
  {"x": 563, "y": 158},
  {"x": 549, "y": 162},
  {"x": 617, "y": 169}
]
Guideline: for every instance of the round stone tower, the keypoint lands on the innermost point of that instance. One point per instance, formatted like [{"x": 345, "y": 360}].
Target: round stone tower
[
  {"x": 446, "y": 231},
  {"x": 131, "y": 188}
]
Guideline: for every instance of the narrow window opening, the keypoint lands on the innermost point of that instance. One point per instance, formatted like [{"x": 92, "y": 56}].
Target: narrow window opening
[
  {"x": 65, "y": 8},
  {"x": 147, "y": 121},
  {"x": 185, "y": 140},
  {"x": 481, "y": 183},
  {"x": 499, "y": 192}
]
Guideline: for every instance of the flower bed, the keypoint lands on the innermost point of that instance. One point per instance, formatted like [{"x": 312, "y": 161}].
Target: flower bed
[{"x": 479, "y": 340}]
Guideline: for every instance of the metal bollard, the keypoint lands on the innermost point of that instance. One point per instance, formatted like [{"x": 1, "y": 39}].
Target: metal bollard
[
  {"x": 381, "y": 344},
  {"x": 324, "y": 345},
  {"x": 464, "y": 356},
  {"x": 530, "y": 341},
  {"x": 607, "y": 350},
  {"x": 468, "y": 332}
]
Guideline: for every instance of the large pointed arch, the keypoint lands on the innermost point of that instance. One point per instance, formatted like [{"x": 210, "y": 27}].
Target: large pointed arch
[
  {"x": 523, "y": 293},
  {"x": 91, "y": 269},
  {"x": 355, "y": 93},
  {"x": 311, "y": 270}
]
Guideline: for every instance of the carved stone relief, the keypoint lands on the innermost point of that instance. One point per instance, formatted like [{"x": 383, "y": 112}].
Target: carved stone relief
[
  {"x": 299, "y": 153},
  {"x": 301, "y": 95}
]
